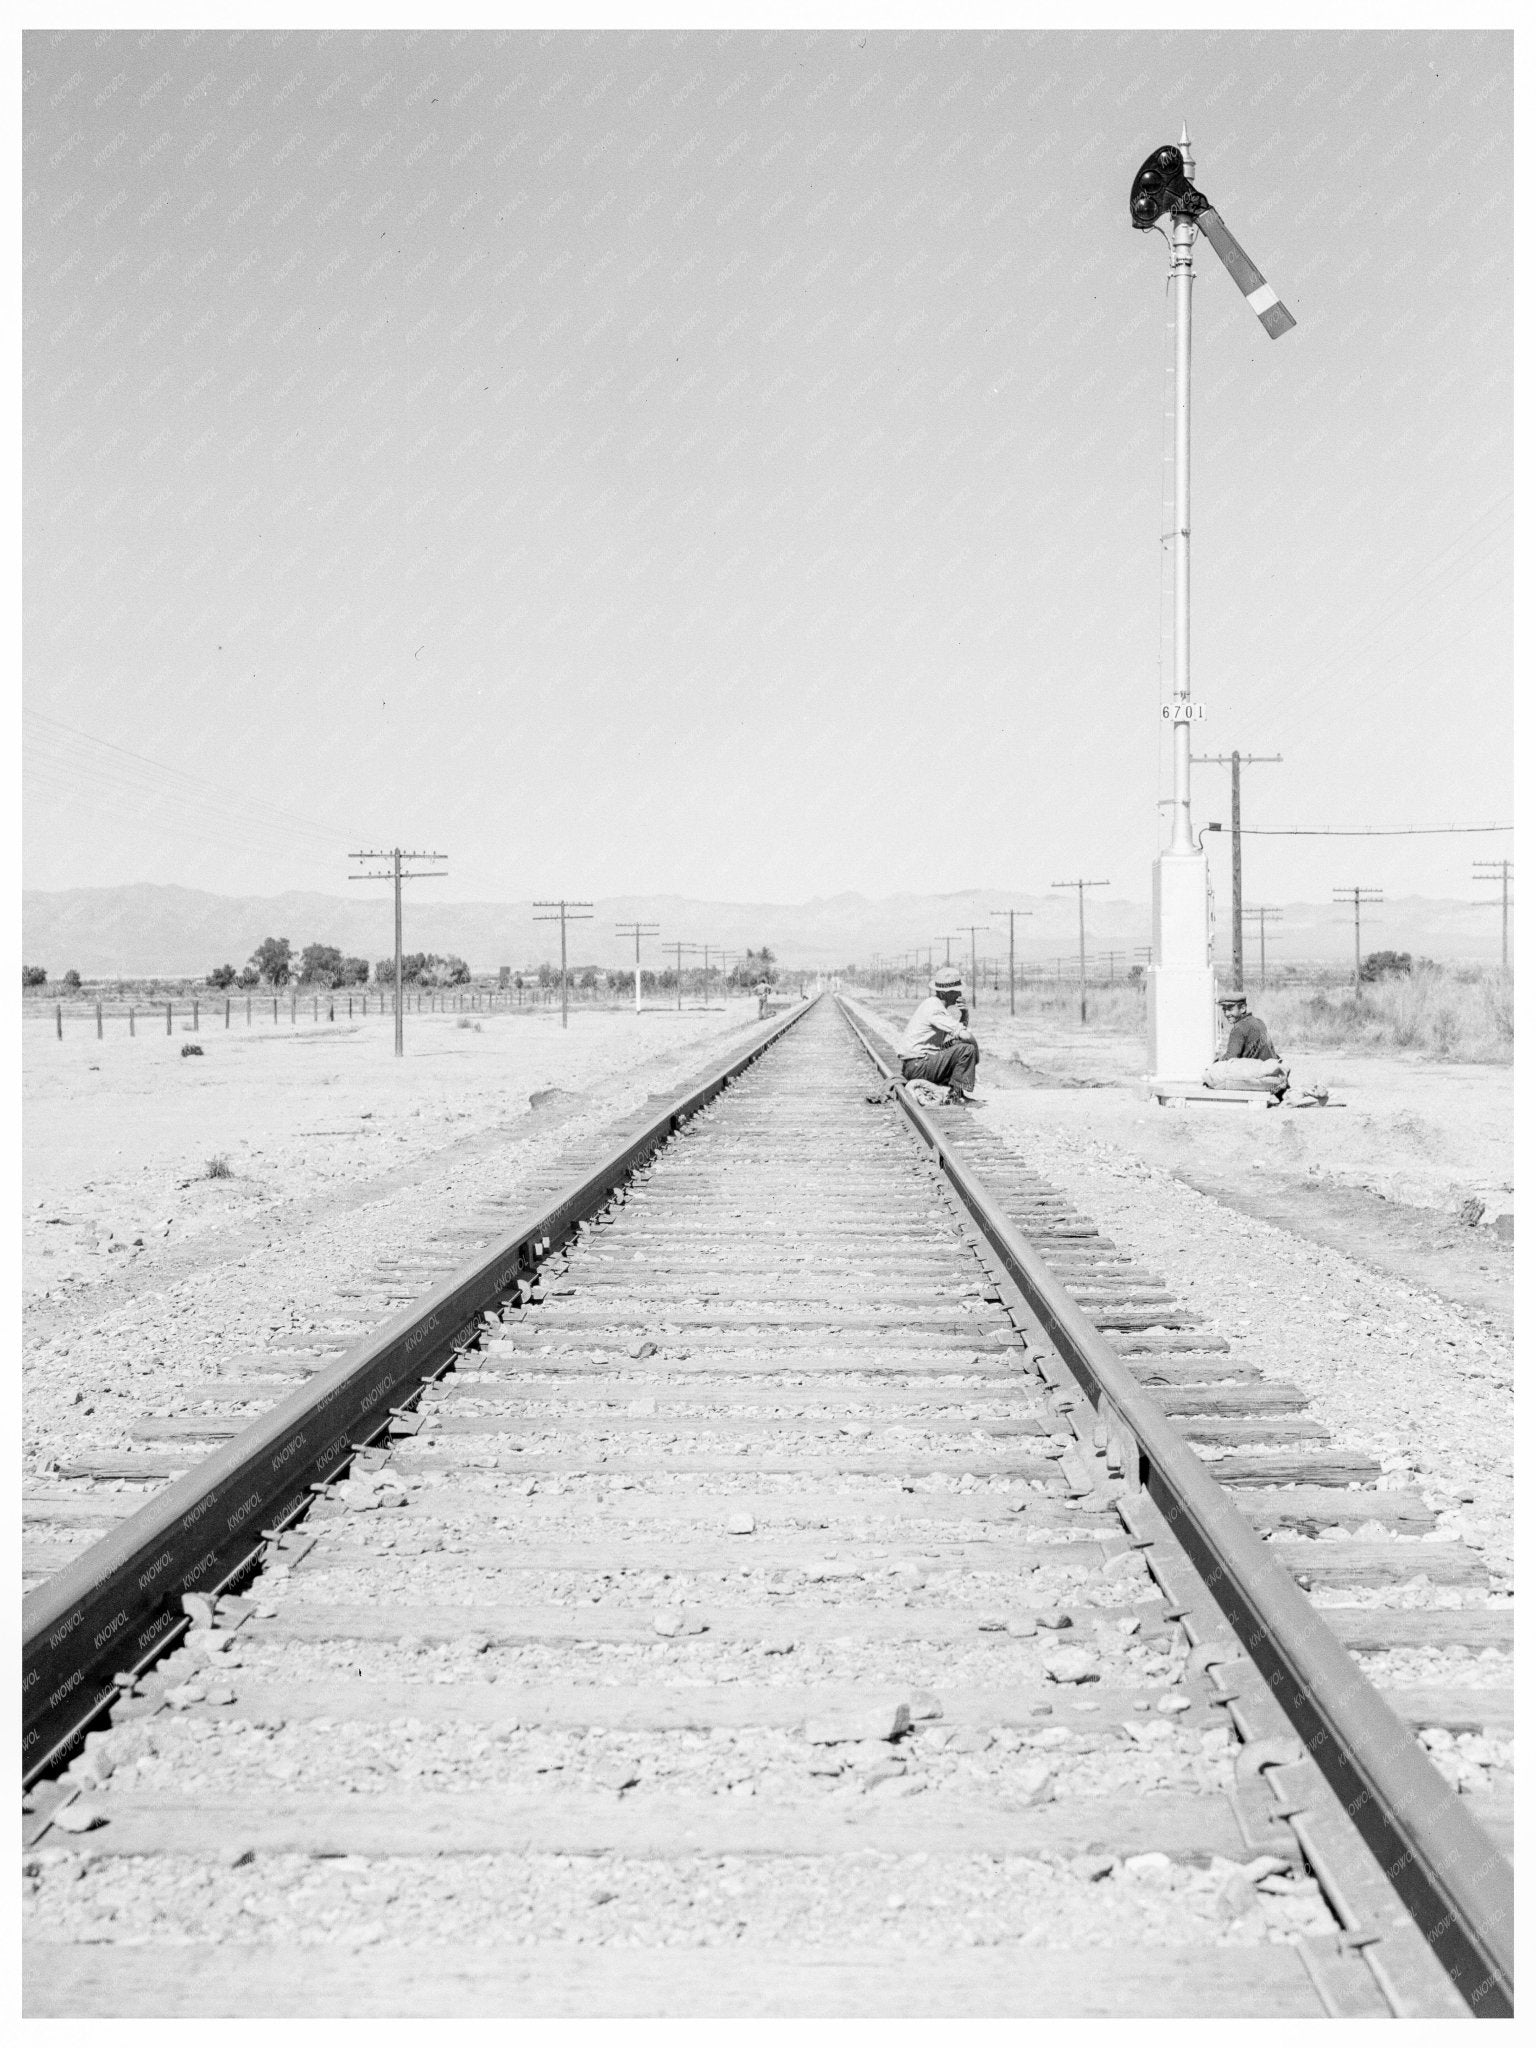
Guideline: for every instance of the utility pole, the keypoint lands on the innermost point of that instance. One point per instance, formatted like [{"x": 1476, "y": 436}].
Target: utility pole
[
  {"x": 1181, "y": 992},
  {"x": 706, "y": 948},
  {"x": 680, "y": 947},
  {"x": 397, "y": 874},
  {"x": 1082, "y": 942},
  {"x": 973, "y": 929},
  {"x": 562, "y": 909},
  {"x": 1011, "y": 915},
  {"x": 1238, "y": 761},
  {"x": 1486, "y": 871},
  {"x": 946, "y": 937},
  {"x": 1355, "y": 894},
  {"x": 640, "y": 931},
  {"x": 1266, "y": 913}
]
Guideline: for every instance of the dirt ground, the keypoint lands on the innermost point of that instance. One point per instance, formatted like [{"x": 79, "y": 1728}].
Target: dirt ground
[
  {"x": 1381, "y": 1175},
  {"x": 139, "y": 1267}
]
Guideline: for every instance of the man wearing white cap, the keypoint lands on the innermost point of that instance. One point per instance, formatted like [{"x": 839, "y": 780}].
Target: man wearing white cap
[{"x": 939, "y": 1045}]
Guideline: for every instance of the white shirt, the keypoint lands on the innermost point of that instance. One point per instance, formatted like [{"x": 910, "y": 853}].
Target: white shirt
[{"x": 934, "y": 1024}]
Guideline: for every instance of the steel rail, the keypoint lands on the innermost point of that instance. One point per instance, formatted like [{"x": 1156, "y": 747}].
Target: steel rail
[
  {"x": 114, "y": 1610},
  {"x": 1451, "y": 1877}
]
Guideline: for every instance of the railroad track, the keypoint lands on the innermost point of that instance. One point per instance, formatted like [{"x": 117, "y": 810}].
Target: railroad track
[{"x": 770, "y": 1603}]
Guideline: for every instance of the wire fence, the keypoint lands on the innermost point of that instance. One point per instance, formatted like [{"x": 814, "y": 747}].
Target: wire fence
[{"x": 149, "y": 1015}]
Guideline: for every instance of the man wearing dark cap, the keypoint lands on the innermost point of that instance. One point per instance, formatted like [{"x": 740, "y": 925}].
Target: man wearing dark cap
[
  {"x": 1247, "y": 1036},
  {"x": 939, "y": 1044}
]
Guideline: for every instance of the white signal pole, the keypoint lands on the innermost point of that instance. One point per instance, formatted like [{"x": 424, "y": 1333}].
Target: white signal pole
[
  {"x": 1182, "y": 986},
  {"x": 639, "y": 931}
]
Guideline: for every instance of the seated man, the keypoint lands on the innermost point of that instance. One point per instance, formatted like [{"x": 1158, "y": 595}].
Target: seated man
[
  {"x": 1248, "y": 1037},
  {"x": 1250, "y": 1060},
  {"x": 939, "y": 1045}
]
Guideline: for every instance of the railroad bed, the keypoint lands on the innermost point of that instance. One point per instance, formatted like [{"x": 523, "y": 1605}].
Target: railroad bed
[
  {"x": 742, "y": 1626},
  {"x": 1359, "y": 1543}
]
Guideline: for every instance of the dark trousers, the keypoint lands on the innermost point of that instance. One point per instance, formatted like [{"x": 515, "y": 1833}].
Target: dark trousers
[{"x": 951, "y": 1066}]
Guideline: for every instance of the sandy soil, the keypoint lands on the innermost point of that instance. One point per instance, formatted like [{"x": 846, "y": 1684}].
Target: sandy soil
[
  {"x": 1381, "y": 1176},
  {"x": 139, "y": 1269}
]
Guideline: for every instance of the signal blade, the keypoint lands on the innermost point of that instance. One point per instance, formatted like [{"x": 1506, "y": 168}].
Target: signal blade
[{"x": 1246, "y": 275}]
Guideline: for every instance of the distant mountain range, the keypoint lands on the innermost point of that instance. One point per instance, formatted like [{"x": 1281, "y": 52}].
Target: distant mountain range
[{"x": 144, "y": 929}]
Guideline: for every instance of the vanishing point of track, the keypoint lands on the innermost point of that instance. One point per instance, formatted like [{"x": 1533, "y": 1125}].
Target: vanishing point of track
[{"x": 757, "y": 1583}]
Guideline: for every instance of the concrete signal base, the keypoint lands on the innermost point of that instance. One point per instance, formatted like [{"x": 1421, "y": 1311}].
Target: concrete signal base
[{"x": 1181, "y": 993}]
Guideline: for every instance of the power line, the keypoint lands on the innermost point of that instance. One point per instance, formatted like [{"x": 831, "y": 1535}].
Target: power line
[
  {"x": 198, "y": 792},
  {"x": 1365, "y": 831}
]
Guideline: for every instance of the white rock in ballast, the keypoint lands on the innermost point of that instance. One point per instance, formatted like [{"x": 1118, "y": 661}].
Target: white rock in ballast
[
  {"x": 740, "y": 1524},
  {"x": 78, "y": 1819},
  {"x": 878, "y": 1723},
  {"x": 1071, "y": 1666}
]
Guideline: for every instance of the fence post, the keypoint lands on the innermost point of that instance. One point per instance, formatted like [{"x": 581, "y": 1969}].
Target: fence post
[
  {"x": 317, "y": 1009},
  {"x": 167, "y": 1020},
  {"x": 58, "y": 1019},
  {"x": 274, "y": 1009},
  {"x": 98, "y": 1020},
  {"x": 331, "y": 1000},
  {"x": 131, "y": 1032},
  {"x": 247, "y": 1009},
  {"x": 194, "y": 1013},
  {"x": 293, "y": 1009},
  {"x": 349, "y": 1009}
]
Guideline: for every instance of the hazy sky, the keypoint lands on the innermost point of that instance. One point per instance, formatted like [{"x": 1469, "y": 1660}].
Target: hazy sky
[{"x": 736, "y": 463}]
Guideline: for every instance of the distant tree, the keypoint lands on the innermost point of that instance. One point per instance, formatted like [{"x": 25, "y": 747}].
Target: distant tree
[
  {"x": 222, "y": 977},
  {"x": 1382, "y": 966},
  {"x": 752, "y": 968},
  {"x": 354, "y": 972},
  {"x": 246, "y": 978},
  {"x": 34, "y": 977},
  {"x": 273, "y": 962},
  {"x": 588, "y": 978},
  {"x": 320, "y": 965},
  {"x": 547, "y": 975},
  {"x": 72, "y": 979}
]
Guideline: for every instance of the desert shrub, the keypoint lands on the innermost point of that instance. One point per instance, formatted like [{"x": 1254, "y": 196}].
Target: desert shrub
[
  {"x": 218, "y": 1168},
  {"x": 1466, "y": 1014},
  {"x": 222, "y": 977},
  {"x": 1381, "y": 966},
  {"x": 34, "y": 977}
]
